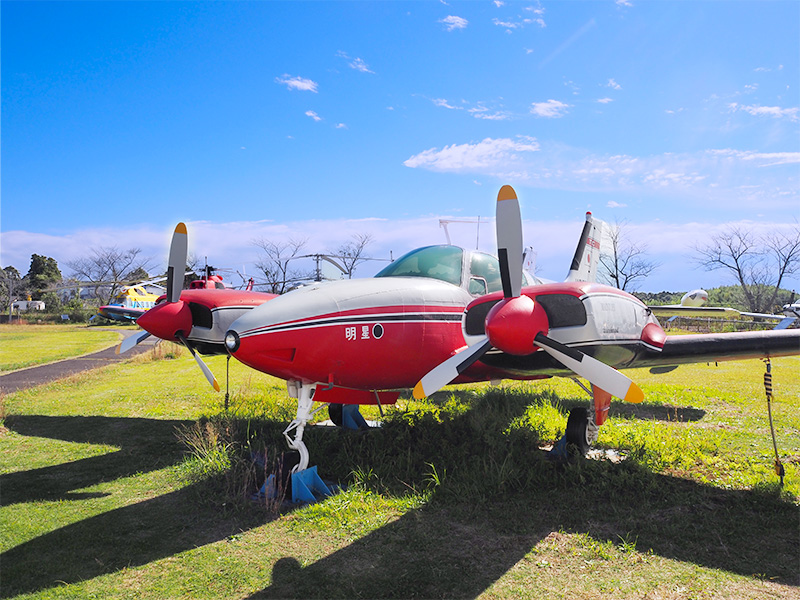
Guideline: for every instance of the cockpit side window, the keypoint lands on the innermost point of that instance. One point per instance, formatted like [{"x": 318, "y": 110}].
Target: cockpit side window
[
  {"x": 436, "y": 262},
  {"x": 487, "y": 268}
]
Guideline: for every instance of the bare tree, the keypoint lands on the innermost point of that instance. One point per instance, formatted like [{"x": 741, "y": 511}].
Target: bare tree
[
  {"x": 109, "y": 269},
  {"x": 759, "y": 264},
  {"x": 627, "y": 261},
  {"x": 11, "y": 284},
  {"x": 274, "y": 264},
  {"x": 351, "y": 253}
]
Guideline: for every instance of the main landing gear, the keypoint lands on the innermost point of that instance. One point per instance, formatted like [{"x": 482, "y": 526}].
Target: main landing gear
[{"x": 583, "y": 425}]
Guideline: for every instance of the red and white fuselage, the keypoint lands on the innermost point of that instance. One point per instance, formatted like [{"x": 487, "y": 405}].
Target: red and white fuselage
[{"x": 373, "y": 334}]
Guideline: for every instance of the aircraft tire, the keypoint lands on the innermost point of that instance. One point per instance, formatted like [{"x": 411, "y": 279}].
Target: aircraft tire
[
  {"x": 335, "y": 413},
  {"x": 578, "y": 430}
]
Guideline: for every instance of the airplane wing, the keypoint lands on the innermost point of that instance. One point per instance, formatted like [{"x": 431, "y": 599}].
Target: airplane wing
[
  {"x": 120, "y": 313},
  {"x": 677, "y": 310},
  {"x": 677, "y": 350},
  {"x": 672, "y": 310},
  {"x": 717, "y": 347}
]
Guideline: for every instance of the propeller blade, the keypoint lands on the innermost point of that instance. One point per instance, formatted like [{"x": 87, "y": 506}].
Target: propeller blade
[
  {"x": 131, "y": 341},
  {"x": 206, "y": 371},
  {"x": 509, "y": 241},
  {"x": 598, "y": 373},
  {"x": 177, "y": 262},
  {"x": 447, "y": 371}
]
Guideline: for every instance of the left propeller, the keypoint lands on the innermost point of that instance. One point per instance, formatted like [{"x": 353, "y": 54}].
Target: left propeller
[
  {"x": 519, "y": 325},
  {"x": 171, "y": 320}
]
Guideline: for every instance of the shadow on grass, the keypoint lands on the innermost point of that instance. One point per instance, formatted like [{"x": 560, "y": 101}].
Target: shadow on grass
[
  {"x": 459, "y": 551},
  {"x": 466, "y": 539},
  {"x": 144, "y": 445},
  {"x": 644, "y": 411}
]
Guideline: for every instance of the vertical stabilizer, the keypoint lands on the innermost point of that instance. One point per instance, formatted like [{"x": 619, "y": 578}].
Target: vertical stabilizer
[{"x": 586, "y": 261}]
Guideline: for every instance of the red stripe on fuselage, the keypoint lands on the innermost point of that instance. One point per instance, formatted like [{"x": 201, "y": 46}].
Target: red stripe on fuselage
[{"x": 376, "y": 353}]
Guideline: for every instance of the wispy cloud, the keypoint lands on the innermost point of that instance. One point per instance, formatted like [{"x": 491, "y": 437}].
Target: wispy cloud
[
  {"x": 313, "y": 115},
  {"x": 733, "y": 179},
  {"x": 452, "y": 23},
  {"x": 297, "y": 83},
  {"x": 776, "y": 112},
  {"x": 487, "y": 155},
  {"x": 613, "y": 85},
  {"x": 535, "y": 16},
  {"x": 552, "y": 109},
  {"x": 443, "y": 103},
  {"x": 604, "y": 100},
  {"x": 614, "y": 204},
  {"x": 357, "y": 64}
]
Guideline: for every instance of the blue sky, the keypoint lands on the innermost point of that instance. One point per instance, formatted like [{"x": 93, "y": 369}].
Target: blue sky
[{"x": 319, "y": 120}]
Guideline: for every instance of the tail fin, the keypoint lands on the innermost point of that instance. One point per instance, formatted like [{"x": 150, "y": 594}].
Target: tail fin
[{"x": 586, "y": 261}]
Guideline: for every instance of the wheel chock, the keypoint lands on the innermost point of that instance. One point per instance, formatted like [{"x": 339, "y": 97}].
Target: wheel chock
[
  {"x": 352, "y": 418},
  {"x": 307, "y": 483},
  {"x": 559, "y": 450}
]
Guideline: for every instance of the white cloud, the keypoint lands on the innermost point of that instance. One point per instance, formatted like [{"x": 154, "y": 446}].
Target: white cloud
[
  {"x": 487, "y": 155},
  {"x": 552, "y": 109},
  {"x": 765, "y": 159},
  {"x": 604, "y": 100},
  {"x": 341, "y": 126},
  {"x": 776, "y": 112},
  {"x": 442, "y": 103},
  {"x": 229, "y": 244},
  {"x": 613, "y": 204},
  {"x": 297, "y": 83},
  {"x": 452, "y": 22},
  {"x": 613, "y": 85},
  {"x": 313, "y": 115},
  {"x": 355, "y": 63},
  {"x": 359, "y": 65},
  {"x": 625, "y": 3}
]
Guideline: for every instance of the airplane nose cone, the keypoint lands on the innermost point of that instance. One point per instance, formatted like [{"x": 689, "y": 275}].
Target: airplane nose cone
[
  {"x": 512, "y": 325},
  {"x": 166, "y": 320}
]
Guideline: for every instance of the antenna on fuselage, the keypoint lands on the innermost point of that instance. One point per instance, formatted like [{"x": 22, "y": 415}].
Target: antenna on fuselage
[{"x": 443, "y": 223}]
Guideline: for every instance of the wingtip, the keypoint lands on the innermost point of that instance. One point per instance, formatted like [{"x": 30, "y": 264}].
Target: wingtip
[
  {"x": 180, "y": 228},
  {"x": 506, "y": 193},
  {"x": 419, "y": 393}
]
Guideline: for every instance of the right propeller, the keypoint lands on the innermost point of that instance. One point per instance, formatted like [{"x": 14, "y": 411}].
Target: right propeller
[{"x": 519, "y": 325}]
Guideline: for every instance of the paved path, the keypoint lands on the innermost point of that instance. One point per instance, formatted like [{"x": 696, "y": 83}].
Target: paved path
[{"x": 32, "y": 376}]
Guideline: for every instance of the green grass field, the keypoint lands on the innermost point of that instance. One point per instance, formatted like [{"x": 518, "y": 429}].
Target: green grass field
[
  {"x": 28, "y": 345},
  {"x": 449, "y": 498}
]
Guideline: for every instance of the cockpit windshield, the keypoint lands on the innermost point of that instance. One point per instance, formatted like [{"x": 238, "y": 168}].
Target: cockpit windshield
[{"x": 436, "y": 262}]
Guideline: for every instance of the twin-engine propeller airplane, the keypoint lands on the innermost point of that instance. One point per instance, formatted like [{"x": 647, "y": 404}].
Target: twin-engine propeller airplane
[
  {"x": 441, "y": 315},
  {"x": 360, "y": 341}
]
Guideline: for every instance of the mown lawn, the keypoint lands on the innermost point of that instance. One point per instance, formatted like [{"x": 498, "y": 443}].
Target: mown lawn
[
  {"x": 28, "y": 345},
  {"x": 450, "y": 498}
]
